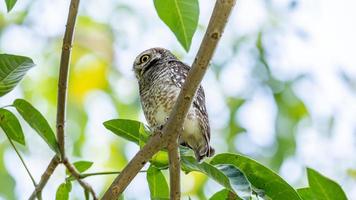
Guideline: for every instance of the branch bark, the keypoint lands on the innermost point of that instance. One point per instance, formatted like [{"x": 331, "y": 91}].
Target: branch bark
[
  {"x": 172, "y": 128},
  {"x": 45, "y": 177},
  {"x": 174, "y": 168},
  {"x": 153, "y": 145},
  {"x": 63, "y": 74}
]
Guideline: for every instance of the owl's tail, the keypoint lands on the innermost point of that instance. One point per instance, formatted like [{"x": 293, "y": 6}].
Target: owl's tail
[{"x": 210, "y": 151}]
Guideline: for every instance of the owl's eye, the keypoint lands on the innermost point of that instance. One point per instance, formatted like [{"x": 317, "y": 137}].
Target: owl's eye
[{"x": 144, "y": 58}]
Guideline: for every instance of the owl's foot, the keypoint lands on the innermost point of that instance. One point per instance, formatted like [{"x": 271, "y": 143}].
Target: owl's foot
[{"x": 157, "y": 129}]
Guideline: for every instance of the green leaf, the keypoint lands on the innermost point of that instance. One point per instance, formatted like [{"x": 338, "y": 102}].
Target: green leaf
[
  {"x": 160, "y": 160},
  {"x": 157, "y": 183},
  {"x": 181, "y": 16},
  {"x": 305, "y": 193},
  {"x": 259, "y": 176},
  {"x": 222, "y": 194},
  {"x": 81, "y": 166},
  {"x": 225, "y": 174},
  {"x": 36, "y": 120},
  {"x": 131, "y": 130},
  {"x": 11, "y": 126},
  {"x": 10, "y": 4},
  {"x": 12, "y": 69},
  {"x": 324, "y": 188},
  {"x": 63, "y": 191}
]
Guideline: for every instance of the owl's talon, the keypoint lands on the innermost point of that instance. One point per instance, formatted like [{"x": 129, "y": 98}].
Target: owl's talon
[
  {"x": 160, "y": 127},
  {"x": 157, "y": 128}
]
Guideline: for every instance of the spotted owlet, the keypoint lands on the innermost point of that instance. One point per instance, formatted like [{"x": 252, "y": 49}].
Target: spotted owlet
[{"x": 161, "y": 76}]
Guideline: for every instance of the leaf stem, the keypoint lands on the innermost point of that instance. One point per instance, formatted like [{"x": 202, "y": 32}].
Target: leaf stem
[
  {"x": 85, "y": 175},
  {"x": 6, "y": 106},
  {"x": 22, "y": 161}
]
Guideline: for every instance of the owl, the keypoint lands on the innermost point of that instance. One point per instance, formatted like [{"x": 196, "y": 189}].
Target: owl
[{"x": 160, "y": 77}]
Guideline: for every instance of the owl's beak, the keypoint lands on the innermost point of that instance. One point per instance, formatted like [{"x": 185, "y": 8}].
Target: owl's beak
[{"x": 137, "y": 69}]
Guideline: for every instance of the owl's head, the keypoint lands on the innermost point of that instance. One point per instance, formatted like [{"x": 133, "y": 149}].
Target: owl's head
[{"x": 149, "y": 58}]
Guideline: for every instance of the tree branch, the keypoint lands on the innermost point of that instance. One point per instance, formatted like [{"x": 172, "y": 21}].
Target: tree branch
[
  {"x": 61, "y": 105},
  {"x": 63, "y": 74},
  {"x": 172, "y": 128},
  {"x": 62, "y": 91},
  {"x": 76, "y": 175},
  {"x": 45, "y": 177},
  {"x": 153, "y": 145},
  {"x": 174, "y": 168}
]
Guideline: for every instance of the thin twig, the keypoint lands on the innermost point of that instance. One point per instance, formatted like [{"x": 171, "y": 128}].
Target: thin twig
[
  {"x": 62, "y": 101},
  {"x": 45, "y": 177},
  {"x": 76, "y": 175},
  {"x": 86, "y": 175},
  {"x": 62, "y": 91},
  {"x": 172, "y": 128},
  {"x": 63, "y": 74},
  {"x": 22, "y": 161},
  {"x": 6, "y": 106}
]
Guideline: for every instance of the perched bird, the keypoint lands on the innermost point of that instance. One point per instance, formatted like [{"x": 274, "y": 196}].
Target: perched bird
[{"x": 161, "y": 76}]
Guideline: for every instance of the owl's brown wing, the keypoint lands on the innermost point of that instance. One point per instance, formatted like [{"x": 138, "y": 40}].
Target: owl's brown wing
[{"x": 179, "y": 72}]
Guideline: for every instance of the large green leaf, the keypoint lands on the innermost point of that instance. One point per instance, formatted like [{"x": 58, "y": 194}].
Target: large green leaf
[
  {"x": 181, "y": 16},
  {"x": 305, "y": 193},
  {"x": 63, "y": 191},
  {"x": 157, "y": 184},
  {"x": 36, "y": 120},
  {"x": 10, "y": 4},
  {"x": 131, "y": 130},
  {"x": 11, "y": 126},
  {"x": 259, "y": 176},
  {"x": 12, "y": 70},
  {"x": 324, "y": 188},
  {"x": 81, "y": 166},
  {"x": 225, "y": 174}
]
